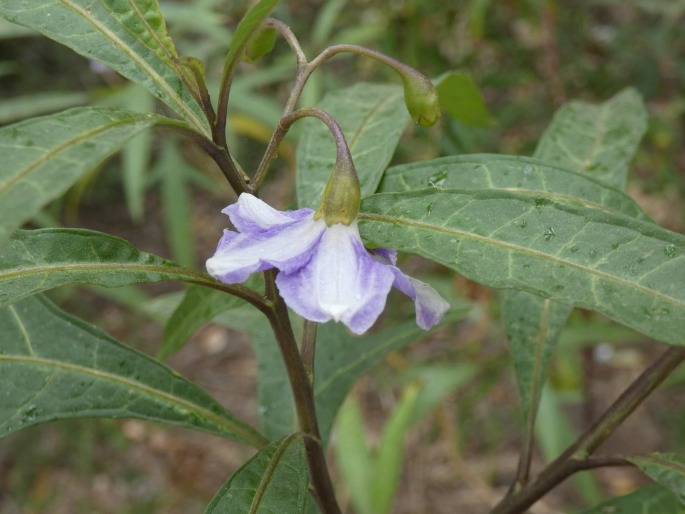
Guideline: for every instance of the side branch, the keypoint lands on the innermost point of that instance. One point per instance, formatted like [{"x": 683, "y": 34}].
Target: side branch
[{"x": 576, "y": 457}]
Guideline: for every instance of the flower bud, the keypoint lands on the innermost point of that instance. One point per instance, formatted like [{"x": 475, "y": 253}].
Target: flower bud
[
  {"x": 260, "y": 44},
  {"x": 342, "y": 196},
  {"x": 421, "y": 99}
]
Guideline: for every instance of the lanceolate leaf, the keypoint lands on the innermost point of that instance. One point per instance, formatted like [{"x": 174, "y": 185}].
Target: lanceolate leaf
[
  {"x": 128, "y": 36},
  {"x": 43, "y": 157},
  {"x": 274, "y": 481},
  {"x": 532, "y": 325},
  {"x": 54, "y": 366},
  {"x": 373, "y": 117},
  {"x": 646, "y": 500},
  {"x": 599, "y": 140},
  {"x": 37, "y": 260},
  {"x": 666, "y": 469},
  {"x": 629, "y": 270},
  {"x": 484, "y": 171}
]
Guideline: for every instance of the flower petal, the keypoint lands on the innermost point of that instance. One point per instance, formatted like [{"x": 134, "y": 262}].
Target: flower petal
[
  {"x": 430, "y": 306},
  {"x": 341, "y": 282},
  {"x": 252, "y": 216},
  {"x": 288, "y": 248}
]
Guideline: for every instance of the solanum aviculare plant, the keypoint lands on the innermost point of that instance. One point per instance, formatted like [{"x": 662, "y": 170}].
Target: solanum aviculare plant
[{"x": 310, "y": 284}]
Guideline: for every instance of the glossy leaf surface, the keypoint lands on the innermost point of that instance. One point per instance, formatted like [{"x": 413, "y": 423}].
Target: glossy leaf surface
[
  {"x": 667, "y": 469},
  {"x": 485, "y": 171},
  {"x": 372, "y": 117},
  {"x": 43, "y": 157},
  {"x": 629, "y": 270},
  {"x": 274, "y": 481},
  {"x": 54, "y": 366},
  {"x": 646, "y": 500},
  {"x": 460, "y": 97},
  {"x": 129, "y": 37},
  {"x": 38, "y": 260},
  {"x": 598, "y": 140}
]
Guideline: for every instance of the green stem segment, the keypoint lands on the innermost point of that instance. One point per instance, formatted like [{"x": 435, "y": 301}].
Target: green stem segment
[
  {"x": 577, "y": 456},
  {"x": 303, "y": 393}
]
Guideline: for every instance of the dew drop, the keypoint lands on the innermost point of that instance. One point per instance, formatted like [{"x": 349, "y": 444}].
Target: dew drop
[
  {"x": 523, "y": 224},
  {"x": 614, "y": 245},
  {"x": 670, "y": 250},
  {"x": 437, "y": 180},
  {"x": 30, "y": 414},
  {"x": 594, "y": 253},
  {"x": 527, "y": 169},
  {"x": 549, "y": 234},
  {"x": 558, "y": 288},
  {"x": 574, "y": 248},
  {"x": 429, "y": 208},
  {"x": 539, "y": 202}
]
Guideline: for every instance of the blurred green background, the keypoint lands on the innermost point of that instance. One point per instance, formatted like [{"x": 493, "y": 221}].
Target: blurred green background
[{"x": 527, "y": 58}]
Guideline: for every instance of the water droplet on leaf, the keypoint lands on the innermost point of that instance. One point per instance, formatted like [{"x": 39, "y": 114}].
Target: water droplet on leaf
[
  {"x": 670, "y": 250},
  {"x": 549, "y": 234},
  {"x": 438, "y": 179}
]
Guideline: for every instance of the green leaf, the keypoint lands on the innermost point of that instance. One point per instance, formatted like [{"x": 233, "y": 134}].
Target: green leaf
[
  {"x": 388, "y": 461},
  {"x": 532, "y": 325},
  {"x": 274, "y": 396},
  {"x": 246, "y": 28},
  {"x": 352, "y": 456},
  {"x": 274, "y": 481},
  {"x": 43, "y": 157},
  {"x": 668, "y": 469},
  {"x": 199, "y": 306},
  {"x": 372, "y": 117},
  {"x": 646, "y": 500},
  {"x": 485, "y": 171},
  {"x": 174, "y": 172},
  {"x": 555, "y": 433},
  {"x": 342, "y": 358},
  {"x": 599, "y": 140},
  {"x": 135, "y": 156},
  {"x": 129, "y": 37},
  {"x": 631, "y": 271},
  {"x": 38, "y": 260},
  {"x": 54, "y": 366},
  {"x": 460, "y": 97}
]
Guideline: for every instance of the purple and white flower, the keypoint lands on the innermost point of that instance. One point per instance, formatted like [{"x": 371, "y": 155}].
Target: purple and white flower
[{"x": 325, "y": 272}]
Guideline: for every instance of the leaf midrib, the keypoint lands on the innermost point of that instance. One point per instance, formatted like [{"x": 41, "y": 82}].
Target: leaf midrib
[
  {"x": 520, "y": 249},
  {"x": 151, "y": 391},
  {"x": 114, "y": 266},
  {"x": 156, "y": 78},
  {"x": 65, "y": 146}
]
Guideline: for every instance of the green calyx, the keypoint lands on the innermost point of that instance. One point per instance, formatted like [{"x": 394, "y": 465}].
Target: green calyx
[
  {"x": 342, "y": 196},
  {"x": 421, "y": 98}
]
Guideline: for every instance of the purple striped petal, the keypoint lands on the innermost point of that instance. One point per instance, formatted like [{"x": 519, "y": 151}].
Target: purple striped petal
[
  {"x": 341, "y": 282},
  {"x": 253, "y": 217},
  {"x": 430, "y": 306},
  {"x": 288, "y": 247}
]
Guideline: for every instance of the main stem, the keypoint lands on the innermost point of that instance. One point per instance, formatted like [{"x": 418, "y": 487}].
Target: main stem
[
  {"x": 303, "y": 393},
  {"x": 576, "y": 457}
]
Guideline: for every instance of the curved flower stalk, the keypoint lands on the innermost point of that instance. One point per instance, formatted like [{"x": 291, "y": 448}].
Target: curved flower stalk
[{"x": 325, "y": 271}]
